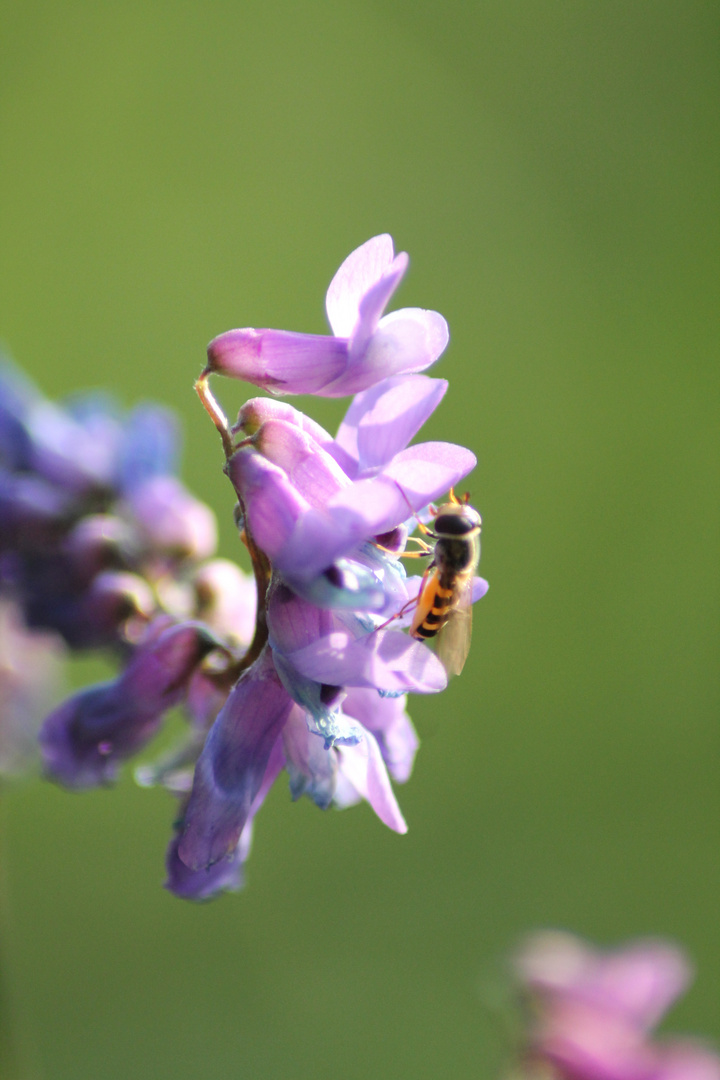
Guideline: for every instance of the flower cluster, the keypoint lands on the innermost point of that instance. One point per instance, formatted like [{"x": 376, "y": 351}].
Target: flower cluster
[
  {"x": 101, "y": 547},
  {"x": 594, "y": 1012},
  {"x": 325, "y": 520},
  {"x": 306, "y": 667}
]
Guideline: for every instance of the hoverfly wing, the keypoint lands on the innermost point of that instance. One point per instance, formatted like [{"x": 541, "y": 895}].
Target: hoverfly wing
[{"x": 453, "y": 643}]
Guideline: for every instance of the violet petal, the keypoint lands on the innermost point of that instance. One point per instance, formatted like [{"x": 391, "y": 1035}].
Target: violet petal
[
  {"x": 256, "y": 411},
  {"x": 172, "y": 519},
  {"x": 373, "y": 304},
  {"x": 357, "y": 274},
  {"x": 387, "y": 719},
  {"x": 311, "y": 766},
  {"x": 89, "y": 735},
  {"x": 279, "y": 361},
  {"x": 388, "y": 660},
  {"x": 231, "y": 767},
  {"x": 272, "y": 503},
  {"x": 405, "y": 341},
  {"x": 226, "y": 874},
  {"x": 415, "y": 477},
  {"x": 686, "y": 1060},
  {"x": 381, "y": 421},
  {"x": 363, "y": 767},
  {"x": 315, "y": 475},
  {"x": 344, "y": 585}
]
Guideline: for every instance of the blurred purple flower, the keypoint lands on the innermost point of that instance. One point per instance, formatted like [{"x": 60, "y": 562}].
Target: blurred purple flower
[
  {"x": 85, "y": 739},
  {"x": 97, "y": 534},
  {"x": 594, "y": 1012},
  {"x": 367, "y": 346}
]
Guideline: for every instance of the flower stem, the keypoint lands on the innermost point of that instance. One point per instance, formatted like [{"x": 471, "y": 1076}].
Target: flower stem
[
  {"x": 215, "y": 413},
  {"x": 260, "y": 563}
]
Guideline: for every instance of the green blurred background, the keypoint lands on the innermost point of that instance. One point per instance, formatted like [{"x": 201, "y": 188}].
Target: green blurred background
[{"x": 170, "y": 170}]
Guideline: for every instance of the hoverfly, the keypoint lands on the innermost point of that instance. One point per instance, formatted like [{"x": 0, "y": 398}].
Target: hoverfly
[{"x": 443, "y": 607}]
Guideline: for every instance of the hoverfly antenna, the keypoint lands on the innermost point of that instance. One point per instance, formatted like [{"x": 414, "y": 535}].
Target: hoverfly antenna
[{"x": 422, "y": 528}]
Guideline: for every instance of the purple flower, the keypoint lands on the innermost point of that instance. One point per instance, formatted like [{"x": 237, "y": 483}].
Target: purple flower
[
  {"x": 367, "y": 346},
  {"x": 595, "y": 1011},
  {"x": 311, "y": 500},
  {"x": 261, "y": 729},
  {"x": 169, "y": 519},
  {"x": 87, "y": 737},
  {"x": 97, "y": 536},
  {"x": 336, "y": 742},
  {"x": 306, "y": 671},
  {"x": 325, "y": 520}
]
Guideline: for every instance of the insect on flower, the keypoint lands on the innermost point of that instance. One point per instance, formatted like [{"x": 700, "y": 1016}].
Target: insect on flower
[{"x": 444, "y": 600}]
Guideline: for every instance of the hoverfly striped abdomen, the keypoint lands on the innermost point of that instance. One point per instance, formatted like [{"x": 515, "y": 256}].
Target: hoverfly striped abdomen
[
  {"x": 438, "y": 614},
  {"x": 456, "y": 531}
]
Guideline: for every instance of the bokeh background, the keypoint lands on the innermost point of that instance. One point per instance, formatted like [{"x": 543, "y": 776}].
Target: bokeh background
[{"x": 171, "y": 169}]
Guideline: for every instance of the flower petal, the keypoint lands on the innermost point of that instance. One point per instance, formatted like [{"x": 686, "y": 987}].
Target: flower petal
[
  {"x": 374, "y": 302},
  {"x": 172, "y": 519},
  {"x": 363, "y": 767},
  {"x": 230, "y": 769},
  {"x": 415, "y": 477},
  {"x": 149, "y": 446},
  {"x": 638, "y": 982},
  {"x": 381, "y": 421},
  {"x": 310, "y": 469},
  {"x": 405, "y": 341},
  {"x": 257, "y": 410},
  {"x": 429, "y": 467},
  {"x": 294, "y": 622},
  {"x": 686, "y": 1060},
  {"x": 89, "y": 735},
  {"x": 272, "y": 503},
  {"x": 279, "y": 361},
  {"x": 479, "y": 588},
  {"x": 311, "y": 765},
  {"x": 389, "y": 722},
  {"x": 226, "y": 599},
  {"x": 358, "y": 273},
  {"x": 226, "y": 875},
  {"x": 344, "y": 585},
  {"x": 387, "y": 660}
]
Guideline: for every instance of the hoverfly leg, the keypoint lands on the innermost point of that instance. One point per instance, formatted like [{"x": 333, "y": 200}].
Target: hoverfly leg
[{"x": 407, "y": 605}]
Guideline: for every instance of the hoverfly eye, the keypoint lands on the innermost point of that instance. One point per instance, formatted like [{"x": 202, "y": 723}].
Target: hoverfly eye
[{"x": 454, "y": 524}]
